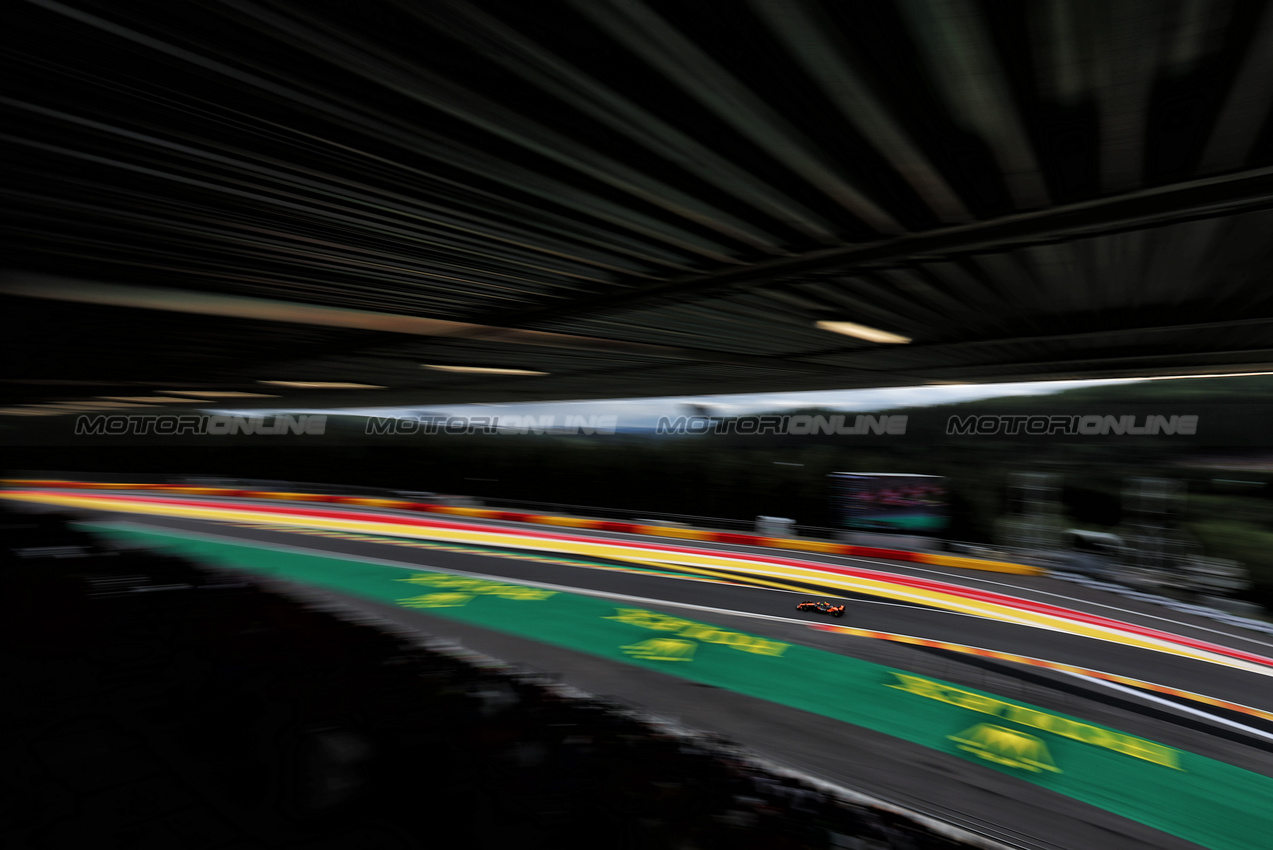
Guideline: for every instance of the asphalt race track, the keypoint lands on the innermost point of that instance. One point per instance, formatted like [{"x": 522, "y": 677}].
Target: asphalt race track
[{"x": 961, "y": 790}]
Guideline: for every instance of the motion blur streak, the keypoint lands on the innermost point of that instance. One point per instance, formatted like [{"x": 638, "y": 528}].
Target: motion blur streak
[{"x": 925, "y": 591}]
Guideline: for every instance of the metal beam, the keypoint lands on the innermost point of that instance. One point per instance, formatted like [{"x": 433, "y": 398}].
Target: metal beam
[
  {"x": 804, "y": 29},
  {"x": 416, "y": 138},
  {"x": 956, "y": 46},
  {"x": 1156, "y": 207},
  {"x": 666, "y": 49},
  {"x": 1125, "y": 56},
  {"x": 375, "y": 326},
  {"x": 534, "y": 63},
  {"x": 1246, "y": 108},
  {"x": 1106, "y": 333},
  {"x": 1139, "y": 363}
]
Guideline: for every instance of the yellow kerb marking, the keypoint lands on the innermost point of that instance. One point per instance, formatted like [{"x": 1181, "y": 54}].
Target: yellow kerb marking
[{"x": 635, "y": 552}]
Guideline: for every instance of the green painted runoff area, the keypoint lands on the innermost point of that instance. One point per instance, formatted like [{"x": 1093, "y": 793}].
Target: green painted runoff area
[{"x": 1198, "y": 799}]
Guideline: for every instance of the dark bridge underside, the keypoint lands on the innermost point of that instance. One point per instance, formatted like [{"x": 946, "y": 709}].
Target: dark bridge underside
[{"x": 637, "y": 198}]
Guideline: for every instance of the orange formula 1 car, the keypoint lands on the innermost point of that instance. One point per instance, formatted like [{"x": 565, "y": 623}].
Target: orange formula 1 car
[{"x": 821, "y": 608}]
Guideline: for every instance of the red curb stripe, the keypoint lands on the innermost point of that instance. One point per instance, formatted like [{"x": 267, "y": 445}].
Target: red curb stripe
[
  {"x": 973, "y": 594},
  {"x": 628, "y": 528},
  {"x": 882, "y": 554}
]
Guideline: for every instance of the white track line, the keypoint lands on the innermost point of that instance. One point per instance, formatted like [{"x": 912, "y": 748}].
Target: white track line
[
  {"x": 604, "y": 594},
  {"x": 874, "y": 564},
  {"x": 1160, "y": 700},
  {"x": 877, "y": 564}
]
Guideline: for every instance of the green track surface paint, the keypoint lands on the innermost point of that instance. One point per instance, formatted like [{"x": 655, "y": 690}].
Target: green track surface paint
[{"x": 1198, "y": 799}]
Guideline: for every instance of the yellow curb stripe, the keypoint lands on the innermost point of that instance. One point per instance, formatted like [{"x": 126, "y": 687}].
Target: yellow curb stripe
[
  {"x": 871, "y": 586},
  {"x": 1052, "y": 665},
  {"x": 980, "y": 564},
  {"x": 568, "y": 521},
  {"x": 678, "y": 533},
  {"x": 821, "y": 546}
]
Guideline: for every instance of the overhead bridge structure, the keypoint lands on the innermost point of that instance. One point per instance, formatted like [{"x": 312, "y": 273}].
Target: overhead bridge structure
[{"x": 487, "y": 201}]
